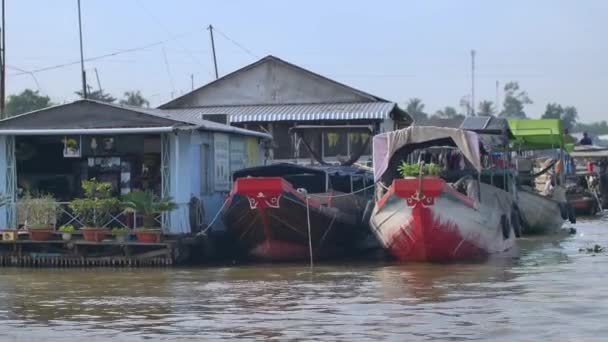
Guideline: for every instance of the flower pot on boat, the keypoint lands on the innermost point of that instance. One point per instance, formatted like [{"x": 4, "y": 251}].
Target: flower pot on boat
[
  {"x": 40, "y": 232},
  {"x": 94, "y": 234},
  {"x": 148, "y": 205}
]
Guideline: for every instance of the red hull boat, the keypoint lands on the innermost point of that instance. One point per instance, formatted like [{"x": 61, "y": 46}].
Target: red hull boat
[
  {"x": 270, "y": 218},
  {"x": 424, "y": 218},
  {"x": 439, "y": 223}
]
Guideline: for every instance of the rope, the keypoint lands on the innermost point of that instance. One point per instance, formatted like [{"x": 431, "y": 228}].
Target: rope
[
  {"x": 215, "y": 218},
  {"x": 309, "y": 233},
  {"x": 342, "y": 195}
]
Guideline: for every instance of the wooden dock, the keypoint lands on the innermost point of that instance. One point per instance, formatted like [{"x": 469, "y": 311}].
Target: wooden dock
[{"x": 81, "y": 253}]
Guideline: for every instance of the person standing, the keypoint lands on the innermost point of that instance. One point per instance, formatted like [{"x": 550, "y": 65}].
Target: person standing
[{"x": 586, "y": 140}]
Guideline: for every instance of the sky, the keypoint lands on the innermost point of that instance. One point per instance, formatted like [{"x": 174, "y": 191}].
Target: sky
[{"x": 556, "y": 50}]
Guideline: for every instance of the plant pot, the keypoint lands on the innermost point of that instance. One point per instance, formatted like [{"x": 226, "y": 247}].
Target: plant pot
[
  {"x": 40, "y": 234},
  {"x": 94, "y": 234},
  {"x": 148, "y": 235},
  {"x": 66, "y": 236},
  {"x": 121, "y": 238},
  {"x": 9, "y": 234}
]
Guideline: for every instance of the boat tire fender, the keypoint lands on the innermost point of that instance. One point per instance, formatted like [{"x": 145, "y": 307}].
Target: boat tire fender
[
  {"x": 506, "y": 227},
  {"x": 516, "y": 221},
  {"x": 563, "y": 209},
  {"x": 571, "y": 214},
  {"x": 522, "y": 220}
]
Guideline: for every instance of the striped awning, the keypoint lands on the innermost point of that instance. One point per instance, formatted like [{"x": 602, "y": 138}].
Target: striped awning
[{"x": 294, "y": 112}]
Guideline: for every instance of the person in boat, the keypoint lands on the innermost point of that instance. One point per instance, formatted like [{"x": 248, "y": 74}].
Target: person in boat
[{"x": 586, "y": 140}]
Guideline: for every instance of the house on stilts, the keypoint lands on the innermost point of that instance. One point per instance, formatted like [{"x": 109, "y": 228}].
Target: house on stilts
[{"x": 186, "y": 158}]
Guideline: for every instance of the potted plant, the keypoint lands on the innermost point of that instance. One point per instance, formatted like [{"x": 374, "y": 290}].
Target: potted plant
[
  {"x": 120, "y": 233},
  {"x": 40, "y": 213},
  {"x": 94, "y": 209},
  {"x": 71, "y": 148},
  {"x": 408, "y": 170},
  {"x": 148, "y": 205},
  {"x": 66, "y": 232}
]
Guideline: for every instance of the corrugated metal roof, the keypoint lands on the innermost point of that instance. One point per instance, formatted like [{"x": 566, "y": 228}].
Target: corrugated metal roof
[
  {"x": 102, "y": 110},
  {"x": 292, "y": 112}
]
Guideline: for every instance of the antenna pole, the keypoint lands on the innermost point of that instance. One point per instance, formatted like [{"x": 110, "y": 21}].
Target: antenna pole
[
  {"x": 210, "y": 28},
  {"x": 497, "y": 100},
  {"x": 98, "y": 82},
  {"x": 84, "y": 75},
  {"x": 472, "y": 82}
]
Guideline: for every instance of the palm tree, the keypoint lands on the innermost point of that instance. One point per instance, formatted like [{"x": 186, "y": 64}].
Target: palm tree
[
  {"x": 415, "y": 108},
  {"x": 147, "y": 205},
  {"x": 98, "y": 95},
  {"x": 135, "y": 99},
  {"x": 448, "y": 113},
  {"x": 486, "y": 108}
]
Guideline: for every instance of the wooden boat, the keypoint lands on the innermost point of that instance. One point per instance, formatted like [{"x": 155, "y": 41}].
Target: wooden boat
[
  {"x": 281, "y": 212},
  {"x": 542, "y": 213},
  {"x": 427, "y": 219},
  {"x": 587, "y": 191}
]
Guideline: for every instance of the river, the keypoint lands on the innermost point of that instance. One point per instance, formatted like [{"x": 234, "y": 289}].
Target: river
[{"x": 553, "y": 291}]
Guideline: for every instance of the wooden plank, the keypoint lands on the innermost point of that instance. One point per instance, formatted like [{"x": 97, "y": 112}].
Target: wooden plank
[{"x": 152, "y": 254}]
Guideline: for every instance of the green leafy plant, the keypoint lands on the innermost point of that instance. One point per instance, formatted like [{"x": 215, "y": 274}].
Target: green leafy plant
[
  {"x": 66, "y": 228},
  {"x": 120, "y": 231},
  {"x": 39, "y": 211},
  {"x": 97, "y": 204},
  {"x": 148, "y": 205},
  {"x": 70, "y": 142},
  {"x": 413, "y": 170},
  {"x": 432, "y": 169}
]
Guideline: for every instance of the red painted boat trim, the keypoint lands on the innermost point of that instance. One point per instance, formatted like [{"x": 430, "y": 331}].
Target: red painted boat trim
[{"x": 427, "y": 234}]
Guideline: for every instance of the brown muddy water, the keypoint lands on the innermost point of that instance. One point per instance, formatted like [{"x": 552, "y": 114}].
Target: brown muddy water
[{"x": 551, "y": 292}]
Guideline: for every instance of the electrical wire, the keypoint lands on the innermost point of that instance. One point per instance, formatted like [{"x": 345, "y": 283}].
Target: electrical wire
[
  {"x": 115, "y": 53},
  {"x": 246, "y": 50}
]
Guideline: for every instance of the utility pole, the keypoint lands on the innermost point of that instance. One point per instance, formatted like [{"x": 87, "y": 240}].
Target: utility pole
[
  {"x": 84, "y": 75},
  {"x": 472, "y": 82},
  {"x": 3, "y": 66},
  {"x": 192, "y": 80},
  {"x": 210, "y": 28}
]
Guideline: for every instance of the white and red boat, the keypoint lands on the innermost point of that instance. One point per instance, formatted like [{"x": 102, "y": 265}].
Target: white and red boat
[{"x": 426, "y": 218}]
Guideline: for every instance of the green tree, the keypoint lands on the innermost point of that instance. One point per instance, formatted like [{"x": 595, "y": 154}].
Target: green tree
[
  {"x": 553, "y": 111},
  {"x": 98, "y": 95},
  {"x": 486, "y": 108},
  {"x": 415, "y": 108},
  {"x": 26, "y": 101},
  {"x": 134, "y": 98},
  {"x": 447, "y": 113},
  {"x": 515, "y": 101},
  {"x": 598, "y": 128},
  {"x": 568, "y": 115}
]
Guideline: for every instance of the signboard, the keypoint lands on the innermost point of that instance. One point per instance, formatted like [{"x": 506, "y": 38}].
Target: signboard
[
  {"x": 221, "y": 154},
  {"x": 252, "y": 152}
]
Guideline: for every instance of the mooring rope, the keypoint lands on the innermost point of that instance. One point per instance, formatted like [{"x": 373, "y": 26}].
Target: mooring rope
[
  {"x": 342, "y": 195},
  {"x": 215, "y": 218},
  {"x": 309, "y": 233}
]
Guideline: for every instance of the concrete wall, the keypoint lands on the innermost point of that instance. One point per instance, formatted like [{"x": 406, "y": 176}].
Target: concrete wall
[{"x": 271, "y": 82}]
